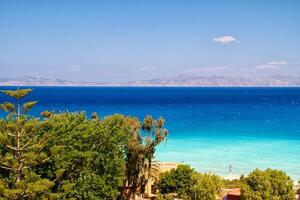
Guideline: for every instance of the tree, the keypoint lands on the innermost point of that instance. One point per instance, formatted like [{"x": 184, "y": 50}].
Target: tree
[
  {"x": 92, "y": 162},
  {"x": 22, "y": 147},
  {"x": 77, "y": 157},
  {"x": 154, "y": 171},
  {"x": 189, "y": 184},
  {"x": 205, "y": 186},
  {"x": 177, "y": 180},
  {"x": 140, "y": 152},
  {"x": 236, "y": 183},
  {"x": 269, "y": 184},
  {"x": 100, "y": 155},
  {"x": 298, "y": 191}
]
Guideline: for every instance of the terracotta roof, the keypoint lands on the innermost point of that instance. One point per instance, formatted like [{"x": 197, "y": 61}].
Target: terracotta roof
[{"x": 235, "y": 192}]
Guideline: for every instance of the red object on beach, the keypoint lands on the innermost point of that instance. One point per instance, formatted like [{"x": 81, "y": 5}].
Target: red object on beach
[{"x": 235, "y": 194}]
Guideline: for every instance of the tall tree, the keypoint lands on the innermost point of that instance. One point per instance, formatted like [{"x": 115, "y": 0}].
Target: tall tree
[
  {"x": 22, "y": 149},
  {"x": 140, "y": 152}
]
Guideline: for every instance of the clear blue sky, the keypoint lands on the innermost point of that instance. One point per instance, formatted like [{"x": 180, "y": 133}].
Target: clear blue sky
[{"x": 107, "y": 40}]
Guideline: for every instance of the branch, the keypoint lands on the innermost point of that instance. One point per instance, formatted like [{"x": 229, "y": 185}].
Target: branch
[
  {"x": 20, "y": 167},
  {"x": 22, "y": 148},
  {"x": 46, "y": 159},
  {"x": 24, "y": 135},
  {"x": 10, "y": 147},
  {"x": 38, "y": 163},
  {"x": 10, "y": 134},
  {"x": 8, "y": 168}
]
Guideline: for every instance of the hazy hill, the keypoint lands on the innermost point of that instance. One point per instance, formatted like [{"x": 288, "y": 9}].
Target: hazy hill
[
  {"x": 38, "y": 81},
  {"x": 181, "y": 80},
  {"x": 221, "y": 81}
]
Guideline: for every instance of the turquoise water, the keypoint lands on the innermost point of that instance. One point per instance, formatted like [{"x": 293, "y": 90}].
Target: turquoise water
[{"x": 210, "y": 128}]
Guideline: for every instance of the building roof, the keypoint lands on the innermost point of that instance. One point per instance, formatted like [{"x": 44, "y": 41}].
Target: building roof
[
  {"x": 167, "y": 166},
  {"x": 235, "y": 192}
]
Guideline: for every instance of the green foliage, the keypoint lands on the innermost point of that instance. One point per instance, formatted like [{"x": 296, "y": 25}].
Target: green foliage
[
  {"x": 31, "y": 186},
  {"x": 47, "y": 114},
  {"x": 97, "y": 156},
  {"x": 17, "y": 94},
  {"x": 22, "y": 148},
  {"x": 68, "y": 156},
  {"x": 165, "y": 197},
  {"x": 189, "y": 184},
  {"x": 236, "y": 183},
  {"x": 8, "y": 107},
  {"x": 269, "y": 184},
  {"x": 91, "y": 162},
  {"x": 205, "y": 186},
  {"x": 140, "y": 152},
  {"x": 28, "y": 106},
  {"x": 177, "y": 180}
]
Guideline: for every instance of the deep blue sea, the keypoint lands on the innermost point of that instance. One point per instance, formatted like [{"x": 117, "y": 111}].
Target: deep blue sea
[{"x": 210, "y": 128}]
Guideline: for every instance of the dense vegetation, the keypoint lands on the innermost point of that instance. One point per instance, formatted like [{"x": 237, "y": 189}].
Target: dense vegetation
[
  {"x": 268, "y": 184},
  {"x": 189, "y": 184},
  {"x": 258, "y": 185},
  {"x": 69, "y": 156}
]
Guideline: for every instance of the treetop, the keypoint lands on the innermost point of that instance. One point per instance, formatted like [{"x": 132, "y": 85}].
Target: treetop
[{"x": 17, "y": 94}]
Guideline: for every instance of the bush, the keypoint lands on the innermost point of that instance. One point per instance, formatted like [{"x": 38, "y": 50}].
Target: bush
[
  {"x": 189, "y": 184},
  {"x": 178, "y": 180},
  {"x": 268, "y": 184},
  {"x": 236, "y": 183},
  {"x": 205, "y": 186}
]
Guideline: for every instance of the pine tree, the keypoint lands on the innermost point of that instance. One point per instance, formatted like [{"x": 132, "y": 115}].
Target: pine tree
[{"x": 21, "y": 150}]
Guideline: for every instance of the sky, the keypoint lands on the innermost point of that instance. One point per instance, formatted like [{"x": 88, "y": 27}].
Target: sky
[{"x": 110, "y": 40}]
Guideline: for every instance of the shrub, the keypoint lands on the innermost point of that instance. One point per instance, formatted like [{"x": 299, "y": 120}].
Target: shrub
[
  {"x": 189, "y": 184},
  {"x": 268, "y": 184},
  {"x": 178, "y": 180},
  {"x": 205, "y": 186},
  {"x": 236, "y": 183}
]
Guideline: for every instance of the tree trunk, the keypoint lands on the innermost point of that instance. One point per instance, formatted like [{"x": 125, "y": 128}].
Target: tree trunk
[{"x": 18, "y": 155}]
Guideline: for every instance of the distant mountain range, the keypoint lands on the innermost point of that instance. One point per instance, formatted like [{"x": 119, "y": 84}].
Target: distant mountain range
[
  {"x": 38, "y": 81},
  {"x": 182, "y": 80}
]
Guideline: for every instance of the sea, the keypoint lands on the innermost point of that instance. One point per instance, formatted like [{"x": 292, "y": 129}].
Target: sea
[{"x": 215, "y": 130}]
